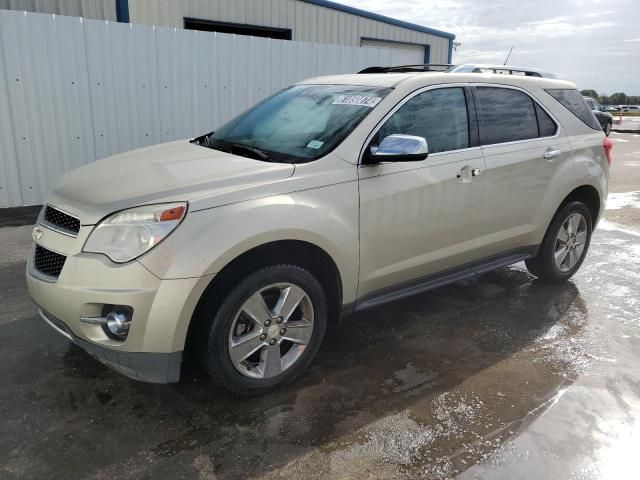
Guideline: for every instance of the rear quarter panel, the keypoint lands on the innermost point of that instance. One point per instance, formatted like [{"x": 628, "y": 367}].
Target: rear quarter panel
[
  {"x": 587, "y": 159},
  {"x": 592, "y": 167}
]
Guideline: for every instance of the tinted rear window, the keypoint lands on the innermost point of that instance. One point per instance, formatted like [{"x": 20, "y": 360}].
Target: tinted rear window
[
  {"x": 573, "y": 101},
  {"x": 547, "y": 126},
  {"x": 505, "y": 115}
]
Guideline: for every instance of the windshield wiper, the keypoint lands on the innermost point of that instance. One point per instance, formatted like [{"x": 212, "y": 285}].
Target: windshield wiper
[
  {"x": 202, "y": 140},
  {"x": 208, "y": 141},
  {"x": 227, "y": 146},
  {"x": 253, "y": 150}
]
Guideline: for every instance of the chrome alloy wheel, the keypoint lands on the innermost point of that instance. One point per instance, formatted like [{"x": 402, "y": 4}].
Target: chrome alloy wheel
[
  {"x": 271, "y": 331},
  {"x": 570, "y": 242}
]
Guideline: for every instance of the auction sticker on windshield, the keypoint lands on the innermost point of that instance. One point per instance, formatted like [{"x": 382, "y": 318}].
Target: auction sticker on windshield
[
  {"x": 357, "y": 100},
  {"x": 315, "y": 144}
]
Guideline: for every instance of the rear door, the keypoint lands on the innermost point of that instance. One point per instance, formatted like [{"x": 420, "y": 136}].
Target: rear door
[
  {"x": 419, "y": 218},
  {"x": 523, "y": 149}
]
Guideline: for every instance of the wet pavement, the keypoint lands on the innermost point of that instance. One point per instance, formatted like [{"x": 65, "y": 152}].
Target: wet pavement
[
  {"x": 626, "y": 124},
  {"x": 499, "y": 377}
]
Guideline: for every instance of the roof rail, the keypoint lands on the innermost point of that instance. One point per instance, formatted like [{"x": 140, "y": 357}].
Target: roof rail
[
  {"x": 501, "y": 69},
  {"x": 422, "y": 67},
  {"x": 465, "y": 68}
]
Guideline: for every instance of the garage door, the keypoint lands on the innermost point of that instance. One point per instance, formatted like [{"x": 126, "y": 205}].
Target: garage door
[{"x": 403, "y": 53}]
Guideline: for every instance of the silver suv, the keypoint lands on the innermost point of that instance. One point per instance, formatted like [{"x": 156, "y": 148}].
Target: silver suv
[{"x": 332, "y": 196}]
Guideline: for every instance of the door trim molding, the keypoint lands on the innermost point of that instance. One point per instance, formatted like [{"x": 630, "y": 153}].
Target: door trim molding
[{"x": 435, "y": 280}]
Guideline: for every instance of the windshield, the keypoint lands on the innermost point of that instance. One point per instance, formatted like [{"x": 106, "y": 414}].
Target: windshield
[{"x": 300, "y": 123}]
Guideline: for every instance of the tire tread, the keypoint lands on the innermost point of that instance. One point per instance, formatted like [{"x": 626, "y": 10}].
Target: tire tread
[
  {"x": 543, "y": 265},
  {"x": 209, "y": 345}
]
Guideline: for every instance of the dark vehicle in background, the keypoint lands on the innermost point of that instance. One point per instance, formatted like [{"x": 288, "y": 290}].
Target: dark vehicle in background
[{"x": 604, "y": 118}]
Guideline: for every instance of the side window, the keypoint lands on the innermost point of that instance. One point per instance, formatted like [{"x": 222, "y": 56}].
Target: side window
[
  {"x": 573, "y": 101},
  {"x": 546, "y": 126},
  {"x": 505, "y": 115},
  {"x": 439, "y": 116}
]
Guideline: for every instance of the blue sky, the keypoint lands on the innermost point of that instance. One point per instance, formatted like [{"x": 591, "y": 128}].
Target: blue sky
[{"x": 595, "y": 43}]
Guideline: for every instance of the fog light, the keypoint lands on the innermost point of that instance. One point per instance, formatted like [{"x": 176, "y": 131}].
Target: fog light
[
  {"x": 118, "y": 324},
  {"x": 114, "y": 321}
]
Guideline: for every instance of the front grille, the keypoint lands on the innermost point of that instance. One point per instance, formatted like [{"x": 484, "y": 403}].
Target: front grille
[
  {"x": 48, "y": 262},
  {"x": 61, "y": 220}
]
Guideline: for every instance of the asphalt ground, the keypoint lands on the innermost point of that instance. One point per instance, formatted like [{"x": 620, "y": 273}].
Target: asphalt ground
[
  {"x": 499, "y": 377},
  {"x": 628, "y": 124}
]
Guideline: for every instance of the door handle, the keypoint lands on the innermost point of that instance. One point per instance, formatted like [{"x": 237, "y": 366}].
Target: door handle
[
  {"x": 551, "y": 154},
  {"x": 466, "y": 173}
]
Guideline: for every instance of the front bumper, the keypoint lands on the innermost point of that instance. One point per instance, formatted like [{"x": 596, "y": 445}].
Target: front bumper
[
  {"x": 143, "y": 366},
  {"x": 162, "y": 308}
]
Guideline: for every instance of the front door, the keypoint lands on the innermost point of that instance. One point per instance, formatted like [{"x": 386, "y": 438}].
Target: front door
[{"x": 419, "y": 218}]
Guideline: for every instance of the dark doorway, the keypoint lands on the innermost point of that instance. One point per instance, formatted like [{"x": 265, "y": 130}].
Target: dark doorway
[{"x": 237, "y": 28}]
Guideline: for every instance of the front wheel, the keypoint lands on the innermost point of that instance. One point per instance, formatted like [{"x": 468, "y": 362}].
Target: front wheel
[
  {"x": 266, "y": 331},
  {"x": 565, "y": 244},
  {"x": 607, "y": 129}
]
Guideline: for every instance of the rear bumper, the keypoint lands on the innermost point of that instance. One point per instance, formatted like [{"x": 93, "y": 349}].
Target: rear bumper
[{"x": 143, "y": 366}]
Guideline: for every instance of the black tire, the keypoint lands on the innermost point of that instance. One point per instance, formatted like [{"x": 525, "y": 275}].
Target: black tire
[
  {"x": 216, "y": 318},
  {"x": 607, "y": 129},
  {"x": 543, "y": 265}
]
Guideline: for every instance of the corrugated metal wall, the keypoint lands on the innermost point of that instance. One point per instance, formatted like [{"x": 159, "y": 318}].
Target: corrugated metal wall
[
  {"x": 309, "y": 23},
  {"x": 96, "y": 9},
  {"x": 74, "y": 90}
]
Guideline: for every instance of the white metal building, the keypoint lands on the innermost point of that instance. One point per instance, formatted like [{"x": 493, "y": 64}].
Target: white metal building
[
  {"x": 96, "y": 9},
  {"x": 316, "y": 21},
  {"x": 73, "y": 90}
]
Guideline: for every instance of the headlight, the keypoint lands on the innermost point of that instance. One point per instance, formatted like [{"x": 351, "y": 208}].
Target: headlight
[{"x": 128, "y": 234}]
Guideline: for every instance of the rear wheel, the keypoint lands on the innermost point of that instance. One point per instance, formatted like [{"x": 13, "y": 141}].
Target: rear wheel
[
  {"x": 565, "y": 244},
  {"x": 266, "y": 331}
]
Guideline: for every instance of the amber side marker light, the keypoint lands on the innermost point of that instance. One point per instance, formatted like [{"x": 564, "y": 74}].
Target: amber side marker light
[{"x": 172, "y": 214}]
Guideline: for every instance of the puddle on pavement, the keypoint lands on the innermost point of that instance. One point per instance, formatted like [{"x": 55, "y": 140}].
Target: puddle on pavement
[{"x": 423, "y": 388}]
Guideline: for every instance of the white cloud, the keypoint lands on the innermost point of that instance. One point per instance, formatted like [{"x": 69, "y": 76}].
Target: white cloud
[
  {"x": 548, "y": 21},
  {"x": 579, "y": 37},
  {"x": 599, "y": 14}
]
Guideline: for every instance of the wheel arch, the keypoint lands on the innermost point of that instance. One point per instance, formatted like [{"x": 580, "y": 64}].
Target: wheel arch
[
  {"x": 300, "y": 253},
  {"x": 588, "y": 195}
]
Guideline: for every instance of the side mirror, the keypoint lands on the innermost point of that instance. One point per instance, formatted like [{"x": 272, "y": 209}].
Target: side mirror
[{"x": 398, "y": 148}]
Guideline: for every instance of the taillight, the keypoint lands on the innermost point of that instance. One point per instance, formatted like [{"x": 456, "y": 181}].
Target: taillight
[{"x": 608, "y": 146}]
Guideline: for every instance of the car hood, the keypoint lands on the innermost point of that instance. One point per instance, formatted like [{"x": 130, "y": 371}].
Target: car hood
[{"x": 176, "y": 171}]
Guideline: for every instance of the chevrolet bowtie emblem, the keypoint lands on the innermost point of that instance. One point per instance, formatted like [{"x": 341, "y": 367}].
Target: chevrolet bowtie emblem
[{"x": 36, "y": 234}]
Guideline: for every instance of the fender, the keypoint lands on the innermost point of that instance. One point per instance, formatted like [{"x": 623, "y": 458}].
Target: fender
[{"x": 208, "y": 240}]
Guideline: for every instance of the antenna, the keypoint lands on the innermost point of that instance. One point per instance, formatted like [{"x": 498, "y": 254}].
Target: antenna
[{"x": 508, "y": 55}]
